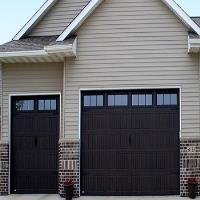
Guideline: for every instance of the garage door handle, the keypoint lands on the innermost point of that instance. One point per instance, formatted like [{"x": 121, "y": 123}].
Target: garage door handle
[
  {"x": 36, "y": 141},
  {"x": 129, "y": 140}
]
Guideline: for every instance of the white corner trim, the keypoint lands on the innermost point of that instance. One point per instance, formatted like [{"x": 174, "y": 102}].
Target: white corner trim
[
  {"x": 35, "y": 18},
  {"x": 77, "y": 22},
  {"x": 182, "y": 15}
]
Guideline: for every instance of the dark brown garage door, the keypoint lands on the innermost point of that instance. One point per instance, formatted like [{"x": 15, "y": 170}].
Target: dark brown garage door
[
  {"x": 35, "y": 132},
  {"x": 130, "y": 143}
]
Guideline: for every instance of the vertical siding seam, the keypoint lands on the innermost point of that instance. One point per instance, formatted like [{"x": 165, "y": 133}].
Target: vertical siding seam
[{"x": 1, "y": 82}]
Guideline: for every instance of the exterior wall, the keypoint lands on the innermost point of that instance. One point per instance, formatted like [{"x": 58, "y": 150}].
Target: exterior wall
[
  {"x": 59, "y": 17},
  {"x": 4, "y": 168},
  {"x": 133, "y": 44},
  {"x": 189, "y": 163},
  {"x": 28, "y": 78}
]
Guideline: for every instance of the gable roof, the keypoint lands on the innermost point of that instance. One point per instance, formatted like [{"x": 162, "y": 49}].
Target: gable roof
[
  {"x": 171, "y": 4},
  {"x": 77, "y": 22},
  {"x": 35, "y": 18},
  {"x": 182, "y": 15},
  {"x": 89, "y": 9}
]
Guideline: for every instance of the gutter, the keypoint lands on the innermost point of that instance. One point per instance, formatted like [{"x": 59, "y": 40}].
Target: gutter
[{"x": 24, "y": 54}]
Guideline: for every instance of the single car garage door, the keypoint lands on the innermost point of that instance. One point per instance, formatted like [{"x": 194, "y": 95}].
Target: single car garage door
[
  {"x": 130, "y": 142},
  {"x": 34, "y": 144}
]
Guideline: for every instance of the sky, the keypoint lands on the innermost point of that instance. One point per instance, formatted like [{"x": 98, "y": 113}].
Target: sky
[{"x": 15, "y": 13}]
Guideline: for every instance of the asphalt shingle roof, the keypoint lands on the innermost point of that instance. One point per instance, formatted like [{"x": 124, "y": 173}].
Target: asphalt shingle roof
[
  {"x": 32, "y": 43},
  {"x": 196, "y": 20}
]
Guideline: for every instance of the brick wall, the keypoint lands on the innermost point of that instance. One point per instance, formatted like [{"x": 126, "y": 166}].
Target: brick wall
[
  {"x": 4, "y": 168},
  {"x": 189, "y": 163},
  {"x": 69, "y": 165}
]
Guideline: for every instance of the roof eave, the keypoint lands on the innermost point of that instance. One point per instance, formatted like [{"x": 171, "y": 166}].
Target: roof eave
[{"x": 48, "y": 54}]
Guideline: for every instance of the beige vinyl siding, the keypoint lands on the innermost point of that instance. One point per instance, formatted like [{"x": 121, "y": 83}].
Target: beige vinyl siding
[
  {"x": 29, "y": 78},
  {"x": 130, "y": 44},
  {"x": 59, "y": 17}
]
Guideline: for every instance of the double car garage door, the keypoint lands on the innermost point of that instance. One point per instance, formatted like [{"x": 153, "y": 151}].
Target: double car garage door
[{"x": 130, "y": 143}]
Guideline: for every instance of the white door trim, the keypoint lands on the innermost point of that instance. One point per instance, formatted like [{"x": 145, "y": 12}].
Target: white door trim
[
  {"x": 9, "y": 121},
  {"x": 130, "y": 88}
]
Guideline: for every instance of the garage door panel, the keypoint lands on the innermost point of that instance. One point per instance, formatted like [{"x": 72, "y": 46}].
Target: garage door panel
[
  {"x": 108, "y": 184},
  {"x": 130, "y": 150},
  {"x": 152, "y": 161},
  {"x": 154, "y": 139},
  {"x": 105, "y": 140},
  {"x": 167, "y": 121},
  {"x": 106, "y": 160},
  {"x": 24, "y": 124},
  {"x": 154, "y": 185},
  {"x": 132, "y": 185}
]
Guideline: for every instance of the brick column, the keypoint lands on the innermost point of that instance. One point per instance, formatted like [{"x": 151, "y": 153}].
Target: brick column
[
  {"x": 4, "y": 168},
  {"x": 189, "y": 163},
  {"x": 69, "y": 165}
]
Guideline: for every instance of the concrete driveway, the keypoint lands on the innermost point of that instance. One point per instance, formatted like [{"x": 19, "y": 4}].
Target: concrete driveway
[{"x": 56, "y": 197}]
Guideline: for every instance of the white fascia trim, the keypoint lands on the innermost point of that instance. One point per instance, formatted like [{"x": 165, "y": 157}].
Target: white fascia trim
[
  {"x": 35, "y": 19},
  {"x": 23, "y": 53},
  {"x": 182, "y": 15},
  {"x": 77, "y": 22}
]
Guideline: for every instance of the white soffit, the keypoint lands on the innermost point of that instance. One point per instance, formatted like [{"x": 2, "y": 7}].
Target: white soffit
[{"x": 35, "y": 19}]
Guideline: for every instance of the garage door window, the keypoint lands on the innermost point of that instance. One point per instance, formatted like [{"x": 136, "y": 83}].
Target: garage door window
[
  {"x": 25, "y": 105},
  {"x": 167, "y": 99},
  {"x": 142, "y": 100},
  {"x": 93, "y": 101},
  {"x": 117, "y": 100},
  {"x": 47, "y": 104}
]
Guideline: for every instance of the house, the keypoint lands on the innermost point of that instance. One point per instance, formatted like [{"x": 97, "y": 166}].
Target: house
[{"x": 106, "y": 93}]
